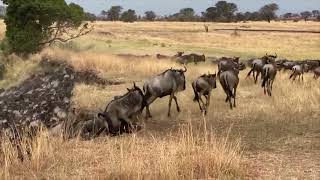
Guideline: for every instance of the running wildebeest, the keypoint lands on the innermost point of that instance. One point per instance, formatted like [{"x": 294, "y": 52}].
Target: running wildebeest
[
  {"x": 229, "y": 81},
  {"x": 257, "y": 66},
  {"x": 316, "y": 72},
  {"x": 189, "y": 58},
  {"x": 269, "y": 74},
  {"x": 120, "y": 111},
  {"x": 297, "y": 70},
  {"x": 203, "y": 87},
  {"x": 160, "y": 56},
  {"x": 167, "y": 83}
]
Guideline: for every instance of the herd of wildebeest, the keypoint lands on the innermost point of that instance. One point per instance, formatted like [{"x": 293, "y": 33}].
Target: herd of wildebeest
[{"x": 120, "y": 112}]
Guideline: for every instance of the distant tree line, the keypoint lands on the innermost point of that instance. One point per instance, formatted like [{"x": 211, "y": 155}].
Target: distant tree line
[{"x": 222, "y": 11}]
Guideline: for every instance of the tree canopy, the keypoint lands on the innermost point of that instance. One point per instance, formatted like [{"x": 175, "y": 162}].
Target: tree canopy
[
  {"x": 268, "y": 12},
  {"x": 32, "y": 24}
]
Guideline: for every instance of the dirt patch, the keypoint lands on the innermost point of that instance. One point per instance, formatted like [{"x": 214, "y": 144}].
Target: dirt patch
[{"x": 44, "y": 97}]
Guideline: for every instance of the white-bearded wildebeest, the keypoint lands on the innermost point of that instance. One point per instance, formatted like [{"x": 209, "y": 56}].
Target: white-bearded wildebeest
[
  {"x": 269, "y": 74},
  {"x": 203, "y": 87},
  {"x": 229, "y": 81},
  {"x": 297, "y": 70},
  {"x": 168, "y": 83},
  {"x": 120, "y": 111},
  {"x": 316, "y": 72},
  {"x": 257, "y": 66}
]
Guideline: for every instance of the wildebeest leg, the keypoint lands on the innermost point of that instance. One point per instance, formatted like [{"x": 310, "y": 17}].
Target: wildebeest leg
[
  {"x": 208, "y": 103},
  {"x": 149, "y": 101},
  {"x": 256, "y": 78},
  {"x": 234, "y": 96},
  {"x": 269, "y": 87},
  {"x": 302, "y": 76},
  {"x": 176, "y": 100},
  {"x": 170, "y": 101}
]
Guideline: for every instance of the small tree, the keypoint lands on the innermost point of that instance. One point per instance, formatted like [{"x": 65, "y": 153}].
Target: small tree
[
  {"x": 268, "y": 12},
  {"x": 305, "y": 15},
  {"x": 150, "y": 16},
  {"x": 129, "y": 16},
  {"x": 114, "y": 13},
  {"x": 33, "y": 24}
]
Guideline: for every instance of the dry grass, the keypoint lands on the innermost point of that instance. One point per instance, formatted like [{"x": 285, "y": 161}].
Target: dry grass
[
  {"x": 195, "y": 153},
  {"x": 279, "y": 134}
]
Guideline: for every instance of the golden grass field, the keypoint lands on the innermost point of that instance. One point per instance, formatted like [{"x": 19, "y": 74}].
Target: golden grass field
[{"x": 265, "y": 137}]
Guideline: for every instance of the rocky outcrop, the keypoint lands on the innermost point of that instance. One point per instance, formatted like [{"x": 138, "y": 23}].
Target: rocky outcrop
[{"x": 44, "y": 98}]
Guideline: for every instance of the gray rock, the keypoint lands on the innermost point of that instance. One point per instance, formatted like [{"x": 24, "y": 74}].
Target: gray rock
[{"x": 17, "y": 114}]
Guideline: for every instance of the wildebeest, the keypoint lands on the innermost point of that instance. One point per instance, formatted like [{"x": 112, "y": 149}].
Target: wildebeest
[
  {"x": 316, "y": 72},
  {"x": 288, "y": 65},
  {"x": 297, "y": 70},
  {"x": 120, "y": 111},
  {"x": 203, "y": 86},
  {"x": 229, "y": 81},
  {"x": 312, "y": 64},
  {"x": 170, "y": 82},
  {"x": 189, "y": 58},
  {"x": 268, "y": 75},
  {"x": 160, "y": 56},
  {"x": 257, "y": 66},
  {"x": 228, "y": 64}
]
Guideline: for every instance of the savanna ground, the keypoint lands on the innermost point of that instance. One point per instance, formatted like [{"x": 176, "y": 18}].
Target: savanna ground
[{"x": 265, "y": 137}]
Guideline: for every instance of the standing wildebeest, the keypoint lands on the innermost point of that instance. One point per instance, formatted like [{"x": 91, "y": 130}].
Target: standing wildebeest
[
  {"x": 316, "y": 73},
  {"x": 257, "y": 66},
  {"x": 167, "y": 83},
  {"x": 269, "y": 74},
  {"x": 120, "y": 110},
  {"x": 297, "y": 70},
  {"x": 229, "y": 81},
  {"x": 203, "y": 87}
]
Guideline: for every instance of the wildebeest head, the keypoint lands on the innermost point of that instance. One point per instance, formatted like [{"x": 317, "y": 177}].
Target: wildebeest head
[
  {"x": 180, "y": 77},
  {"x": 270, "y": 59},
  {"x": 180, "y": 53}
]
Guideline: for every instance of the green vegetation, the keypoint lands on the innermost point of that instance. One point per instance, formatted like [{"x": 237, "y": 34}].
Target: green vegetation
[{"x": 33, "y": 24}]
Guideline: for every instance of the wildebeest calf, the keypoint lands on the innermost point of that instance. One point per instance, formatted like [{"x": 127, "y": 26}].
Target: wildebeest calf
[
  {"x": 203, "y": 87},
  {"x": 120, "y": 111},
  {"x": 229, "y": 81}
]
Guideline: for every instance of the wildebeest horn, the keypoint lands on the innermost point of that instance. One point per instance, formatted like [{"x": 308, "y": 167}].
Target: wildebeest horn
[
  {"x": 276, "y": 55},
  {"x": 134, "y": 84},
  {"x": 185, "y": 68},
  {"x": 128, "y": 89}
]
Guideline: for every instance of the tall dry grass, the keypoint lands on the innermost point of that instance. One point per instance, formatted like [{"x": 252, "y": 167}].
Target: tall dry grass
[{"x": 194, "y": 153}]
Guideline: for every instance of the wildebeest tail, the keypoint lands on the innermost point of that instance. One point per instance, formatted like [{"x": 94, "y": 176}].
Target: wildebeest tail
[
  {"x": 228, "y": 88},
  {"x": 196, "y": 95},
  {"x": 265, "y": 78}
]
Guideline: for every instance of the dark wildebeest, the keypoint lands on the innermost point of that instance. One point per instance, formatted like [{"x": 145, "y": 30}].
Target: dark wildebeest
[
  {"x": 316, "y": 72},
  {"x": 257, "y": 66},
  {"x": 229, "y": 81},
  {"x": 288, "y": 65},
  {"x": 120, "y": 111},
  {"x": 312, "y": 64},
  {"x": 297, "y": 70},
  {"x": 189, "y": 58},
  {"x": 268, "y": 75},
  {"x": 226, "y": 64},
  {"x": 203, "y": 87},
  {"x": 167, "y": 83}
]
